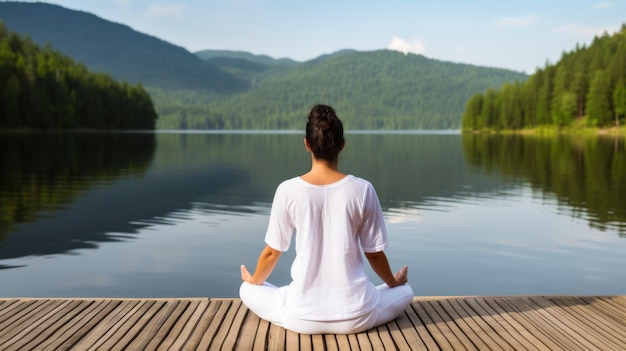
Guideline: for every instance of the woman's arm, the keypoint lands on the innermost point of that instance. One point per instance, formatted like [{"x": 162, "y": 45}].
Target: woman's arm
[
  {"x": 264, "y": 267},
  {"x": 380, "y": 265}
]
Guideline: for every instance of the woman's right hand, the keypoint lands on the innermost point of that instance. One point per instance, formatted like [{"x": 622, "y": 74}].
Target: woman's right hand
[{"x": 245, "y": 275}]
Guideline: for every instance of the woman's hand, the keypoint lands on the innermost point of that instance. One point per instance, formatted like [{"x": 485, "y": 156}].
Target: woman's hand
[
  {"x": 402, "y": 275},
  {"x": 267, "y": 260},
  {"x": 380, "y": 265},
  {"x": 245, "y": 275}
]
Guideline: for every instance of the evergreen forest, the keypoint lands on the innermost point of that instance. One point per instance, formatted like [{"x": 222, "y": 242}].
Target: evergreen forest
[
  {"x": 586, "y": 88},
  {"x": 43, "y": 89}
]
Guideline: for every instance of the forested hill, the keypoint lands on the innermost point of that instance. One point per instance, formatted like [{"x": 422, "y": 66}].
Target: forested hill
[
  {"x": 587, "y": 87},
  {"x": 370, "y": 90},
  {"x": 42, "y": 89},
  {"x": 225, "y": 89},
  {"x": 115, "y": 49}
]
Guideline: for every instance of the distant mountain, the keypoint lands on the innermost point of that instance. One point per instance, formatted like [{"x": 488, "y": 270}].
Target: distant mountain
[
  {"x": 245, "y": 56},
  {"x": 219, "y": 89},
  {"x": 115, "y": 49},
  {"x": 372, "y": 90}
]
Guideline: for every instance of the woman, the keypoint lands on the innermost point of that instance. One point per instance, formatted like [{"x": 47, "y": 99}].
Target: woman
[{"x": 334, "y": 216}]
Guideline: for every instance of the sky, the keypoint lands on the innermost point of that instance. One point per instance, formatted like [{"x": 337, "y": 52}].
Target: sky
[{"x": 517, "y": 35}]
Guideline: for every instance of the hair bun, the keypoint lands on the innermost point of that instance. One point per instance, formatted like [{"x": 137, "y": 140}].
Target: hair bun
[{"x": 324, "y": 132}]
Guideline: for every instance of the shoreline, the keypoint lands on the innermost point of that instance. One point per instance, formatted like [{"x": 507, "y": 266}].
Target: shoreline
[{"x": 554, "y": 131}]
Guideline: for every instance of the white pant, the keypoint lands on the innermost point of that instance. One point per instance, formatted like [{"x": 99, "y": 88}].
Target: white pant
[{"x": 264, "y": 301}]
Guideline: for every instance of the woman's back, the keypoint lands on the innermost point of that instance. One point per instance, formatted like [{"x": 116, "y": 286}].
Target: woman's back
[{"x": 330, "y": 221}]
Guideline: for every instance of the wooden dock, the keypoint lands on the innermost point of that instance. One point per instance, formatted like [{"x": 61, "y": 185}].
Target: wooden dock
[{"x": 431, "y": 323}]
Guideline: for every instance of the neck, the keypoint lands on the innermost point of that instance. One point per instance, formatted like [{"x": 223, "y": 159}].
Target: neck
[
  {"x": 323, "y": 172},
  {"x": 324, "y": 165}
]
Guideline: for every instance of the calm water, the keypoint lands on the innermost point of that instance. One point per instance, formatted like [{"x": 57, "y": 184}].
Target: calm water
[{"x": 174, "y": 215}]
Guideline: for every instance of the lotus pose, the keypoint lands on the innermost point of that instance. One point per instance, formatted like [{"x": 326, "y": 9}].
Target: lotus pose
[{"x": 333, "y": 217}]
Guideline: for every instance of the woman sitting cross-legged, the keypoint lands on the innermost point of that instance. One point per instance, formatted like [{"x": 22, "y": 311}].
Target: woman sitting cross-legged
[{"x": 333, "y": 217}]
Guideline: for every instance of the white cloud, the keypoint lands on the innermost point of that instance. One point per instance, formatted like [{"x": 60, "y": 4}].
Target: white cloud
[
  {"x": 517, "y": 21},
  {"x": 603, "y": 5},
  {"x": 587, "y": 31},
  {"x": 404, "y": 46},
  {"x": 176, "y": 11}
]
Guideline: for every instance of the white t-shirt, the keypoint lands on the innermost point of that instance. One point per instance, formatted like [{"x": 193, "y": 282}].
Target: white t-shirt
[{"x": 329, "y": 223}]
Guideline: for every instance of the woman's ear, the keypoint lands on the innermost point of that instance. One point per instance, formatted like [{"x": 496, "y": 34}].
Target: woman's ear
[
  {"x": 307, "y": 146},
  {"x": 343, "y": 143}
]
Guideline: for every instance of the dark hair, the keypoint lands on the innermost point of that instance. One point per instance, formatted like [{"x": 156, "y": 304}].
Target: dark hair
[{"x": 324, "y": 133}]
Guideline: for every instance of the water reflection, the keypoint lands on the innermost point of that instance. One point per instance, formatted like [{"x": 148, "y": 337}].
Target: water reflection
[
  {"x": 45, "y": 173},
  {"x": 168, "y": 214},
  {"x": 586, "y": 175}
]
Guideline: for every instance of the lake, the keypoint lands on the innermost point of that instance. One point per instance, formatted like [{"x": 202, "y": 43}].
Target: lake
[{"x": 174, "y": 214}]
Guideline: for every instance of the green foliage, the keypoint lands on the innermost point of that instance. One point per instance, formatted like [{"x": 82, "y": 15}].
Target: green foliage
[
  {"x": 370, "y": 90},
  {"x": 43, "y": 89},
  {"x": 599, "y": 100},
  {"x": 619, "y": 100},
  {"x": 586, "y": 85}
]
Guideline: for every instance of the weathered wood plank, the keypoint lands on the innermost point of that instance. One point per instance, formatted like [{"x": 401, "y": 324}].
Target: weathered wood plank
[
  {"x": 276, "y": 338},
  {"x": 431, "y": 323},
  {"x": 98, "y": 334},
  {"x": 364, "y": 342},
  {"x": 529, "y": 321},
  {"x": 353, "y": 342},
  {"x": 167, "y": 325},
  {"x": 549, "y": 326},
  {"x": 196, "y": 324},
  {"x": 614, "y": 311},
  {"x": 432, "y": 327},
  {"x": 292, "y": 340},
  {"x": 571, "y": 326},
  {"x": 497, "y": 323},
  {"x": 74, "y": 328},
  {"x": 420, "y": 328},
  {"x": 342, "y": 342},
  {"x": 127, "y": 330},
  {"x": 385, "y": 337},
  {"x": 23, "y": 318},
  {"x": 149, "y": 328},
  {"x": 178, "y": 333},
  {"x": 230, "y": 325},
  {"x": 331, "y": 342},
  {"x": 398, "y": 338},
  {"x": 466, "y": 325},
  {"x": 260, "y": 342},
  {"x": 525, "y": 331},
  {"x": 306, "y": 343},
  {"x": 578, "y": 310},
  {"x": 484, "y": 334},
  {"x": 45, "y": 325},
  {"x": 450, "y": 321},
  {"x": 248, "y": 333},
  {"x": 318, "y": 342},
  {"x": 203, "y": 341}
]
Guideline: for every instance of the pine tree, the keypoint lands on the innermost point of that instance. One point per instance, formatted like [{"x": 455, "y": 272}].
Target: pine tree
[
  {"x": 599, "y": 100},
  {"x": 619, "y": 101}
]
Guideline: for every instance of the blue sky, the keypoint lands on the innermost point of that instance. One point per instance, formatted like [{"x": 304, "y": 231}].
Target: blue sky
[{"x": 518, "y": 35}]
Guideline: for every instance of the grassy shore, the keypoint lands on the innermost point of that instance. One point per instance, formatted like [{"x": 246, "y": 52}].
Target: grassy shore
[{"x": 576, "y": 128}]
